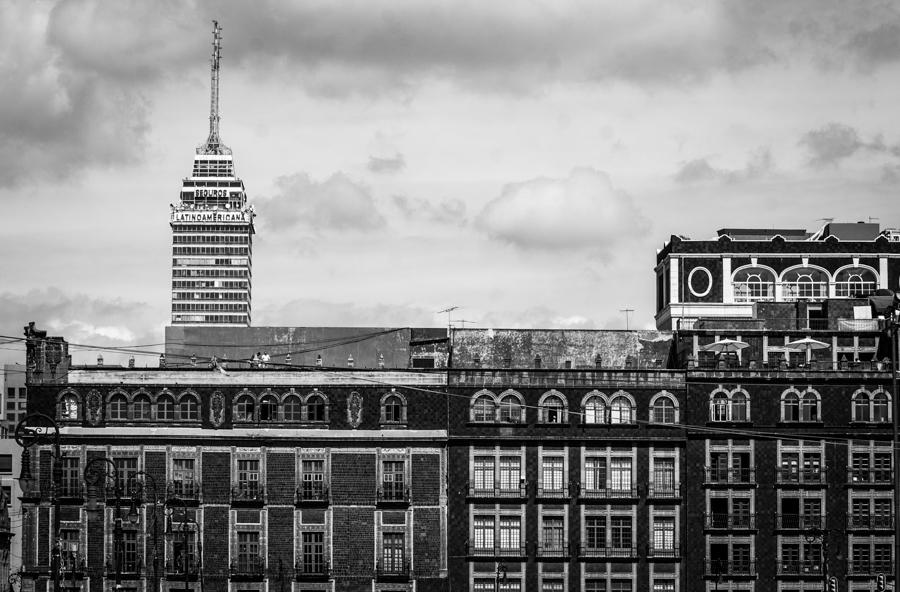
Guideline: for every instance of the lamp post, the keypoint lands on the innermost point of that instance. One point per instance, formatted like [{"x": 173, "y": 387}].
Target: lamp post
[
  {"x": 38, "y": 429},
  {"x": 99, "y": 472},
  {"x": 142, "y": 481},
  {"x": 185, "y": 556}
]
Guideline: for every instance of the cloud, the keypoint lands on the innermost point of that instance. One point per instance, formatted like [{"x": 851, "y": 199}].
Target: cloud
[
  {"x": 878, "y": 45},
  {"x": 82, "y": 319},
  {"x": 834, "y": 142},
  {"x": 338, "y": 203},
  {"x": 447, "y": 211},
  {"x": 392, "y": 164},
  {"x": 309, "y": 312},
  {"x": 535, "y": 317},
  {"x": 583, "y": 210},
  {"x": 700, "y": 170}
]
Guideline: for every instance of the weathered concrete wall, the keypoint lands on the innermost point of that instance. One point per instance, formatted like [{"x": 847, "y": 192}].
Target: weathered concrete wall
[{"x": 519, "y": 348}]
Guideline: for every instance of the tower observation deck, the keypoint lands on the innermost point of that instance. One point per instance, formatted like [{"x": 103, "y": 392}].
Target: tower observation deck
[{"x": 212, "y": 231}]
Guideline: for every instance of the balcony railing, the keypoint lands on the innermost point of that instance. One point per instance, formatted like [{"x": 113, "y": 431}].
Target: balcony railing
[
  {"x": 800, "y": 477},
  {"x": 591, "y": 552},
  {"x": 725, "y": 568},
  {"x": 664, "y": 491},
  {"x": 870, "y": 476},
  {"x": 519, "y": 491},
  {"x": 737, "y": 476},
  {"x": 392, "y": 494},
  {"x": 495, "y": 551},
  {"x": 561, "y": 492},
  {"x": 312, "y": 494},
  {"x": 181, "y": 568},
  {"x": 248, "y": 494},
  {"x": 870, "y": 568},
  {"x": 131, "y": 568},
  {"x": 392, "y": 570},
  {"x": 602, "y": 493},
  {"x": 730, "y": 521},
  {"x": 800, "y": 521},
  {"x": 560, "y": 550},
  {"x": 800, "y": 568},
  {"x": 672, "y": 552},
  {"x": 252, "y": 567},
  {"x": 184, "y": 491},
  {"x": 311, "y": 568},
  {"x": 870, "y": 522}
]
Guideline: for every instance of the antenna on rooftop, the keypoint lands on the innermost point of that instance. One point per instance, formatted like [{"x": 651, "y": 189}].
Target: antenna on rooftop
[
  {"x": 214, "y": 143},
  {"x": 627, "y": 312}
]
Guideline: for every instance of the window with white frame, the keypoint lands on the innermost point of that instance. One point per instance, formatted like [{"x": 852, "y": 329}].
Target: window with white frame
[
  {"x": 483, "y": 534},
  {"x": 510, "y": 534},
  {"x": 871, "y": 407},
  {"x": 663, "y": 537},
  {"x": 733, "y": 406},
  {"x": 663, "y": 481},
  {"x": 512, "y": 407},
  {"x": 594, "y": 408},
  {"x": 553, "y": 476},
  {"x": 663, "y": 408},
  {"x": 511, "y": 473},
  {"x": 483, "y": 470},
  {"x": 621, "y": 408},
  {"x": 553, "y": 408},
  {"x": 484, "y": 407},
  {"x": 553, "y": 534},
  {"x": 800, "y": 406}
]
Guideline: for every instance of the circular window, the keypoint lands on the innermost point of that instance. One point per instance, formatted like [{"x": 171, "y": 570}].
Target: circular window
[{"x": 700, "y": 281}]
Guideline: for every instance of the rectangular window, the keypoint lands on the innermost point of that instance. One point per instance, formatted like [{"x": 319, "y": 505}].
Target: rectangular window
[
  {"x": 620, "y": 475},
  {"x": 510, "y": 533},
  {"x": 510, "y": 473},
  {"x": 71, "y": 558},
  {"x": 184, "y": 549},
  {"x": 128, "y": 554},
  {"x": 484, "y": 533},
  {"x": 248, "y": 478},
  {"x": 664, "y": 534},
  {"x": 620, "y": 532},
  {"x": 183, "y": 478},
  {"x": 5, "y": 464},
  {"x": 594, "y": 473},
  {"x": 553, "y": 534},
  {"x": 312, "y": 553},
  {"x": 663, "y": 585},
  {"x": 249, "y": 559},
  {"x": 392, "y": 479},
  {"x": 621, "y": 586},
  {"x": 552, "y": 474},
  {"x": 594, "y": 585},
  {"x": 554, "y": 585},
  {"x": 664, "y": 476},
  {"x": 484, "y": 473},
  {"x": 126, "y": 467},
  {"x": 595, "y": 532},
  {"x": 71, "y": 477},
  {"x": 312, "y": 475},
  {"x": 392, "y": 553}
]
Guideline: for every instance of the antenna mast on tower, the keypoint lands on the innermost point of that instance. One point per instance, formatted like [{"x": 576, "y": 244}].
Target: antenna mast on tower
[{"x": 214, "y": 143}]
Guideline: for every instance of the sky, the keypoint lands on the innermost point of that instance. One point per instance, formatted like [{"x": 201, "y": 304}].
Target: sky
[{"x": 522, "y": 161}]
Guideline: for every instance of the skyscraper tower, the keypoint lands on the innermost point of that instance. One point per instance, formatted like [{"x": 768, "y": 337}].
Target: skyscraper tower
[{"x": 212, "y": 231}]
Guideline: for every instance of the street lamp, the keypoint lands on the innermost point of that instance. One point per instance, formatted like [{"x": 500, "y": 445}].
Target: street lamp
[
  {"x": 186, "y": 562},
  {"x": 142, "y": 481},
  {"x": 99, "y": 472},
  {"x": 38, "y": 429}
]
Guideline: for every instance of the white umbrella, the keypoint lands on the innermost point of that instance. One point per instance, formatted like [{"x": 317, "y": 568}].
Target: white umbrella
[
  {"x": 807, "y": 344},
  {"x": 725, "y": 345}
]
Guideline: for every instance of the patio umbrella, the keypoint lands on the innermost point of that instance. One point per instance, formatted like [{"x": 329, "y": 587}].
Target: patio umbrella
[
  {"x": 807, "y": 344},
  {"x": 723, "y": 346}
]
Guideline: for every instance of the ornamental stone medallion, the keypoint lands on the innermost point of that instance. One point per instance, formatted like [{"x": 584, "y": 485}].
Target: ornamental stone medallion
[{"x": 354, "y": 409}]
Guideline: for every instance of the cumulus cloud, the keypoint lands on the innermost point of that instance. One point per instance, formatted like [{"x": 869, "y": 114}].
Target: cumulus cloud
[
  {"x": 582, "y": 210},
  {"x": 447, "y": 211},
  {"x": 835, "y": 142},
  {"x": 700, "y": 170},
  {"x": 390, "y": 164},
  {"x": 338, "y": 203},
  {"x": 81, "y": 319}
]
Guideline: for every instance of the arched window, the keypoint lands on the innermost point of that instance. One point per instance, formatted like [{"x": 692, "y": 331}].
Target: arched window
[
  {"x": 511, "y": 409},
  {"x": 118, "y": 407},
  {"x": 861, "y": 410},
  {"x": 855, "y": 282},
  {"x": 268, "y": 408},
  {"x": 293, "y": 409},
  {"x": 595, "y": 410},
  {"x": 663, "y": 409},
  {"x": 803, "y": 283},
  {"x": 141, "y": 409},
  {"x": 620, "y": 410},
  {"x": 809, "y": 407},
  {"x": 315, "y": 408},
  {"x": 740, "y": 407},
  {"x": 393, "y": 408},
  {"x": 752, "y": 284},
  {"x": 720, "y": 407},
  {"x": 165, "y": 408},
  {"x": 483, "y": 408},
  {"x": 245, "y": 409},
  {"x": 790, "y": 407},
  {"x": 188, "y": 408},
  {"x": 68, "y": 407},
  {"x": 880, "y": 408},
  {"x": 553, "y": 409}
]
